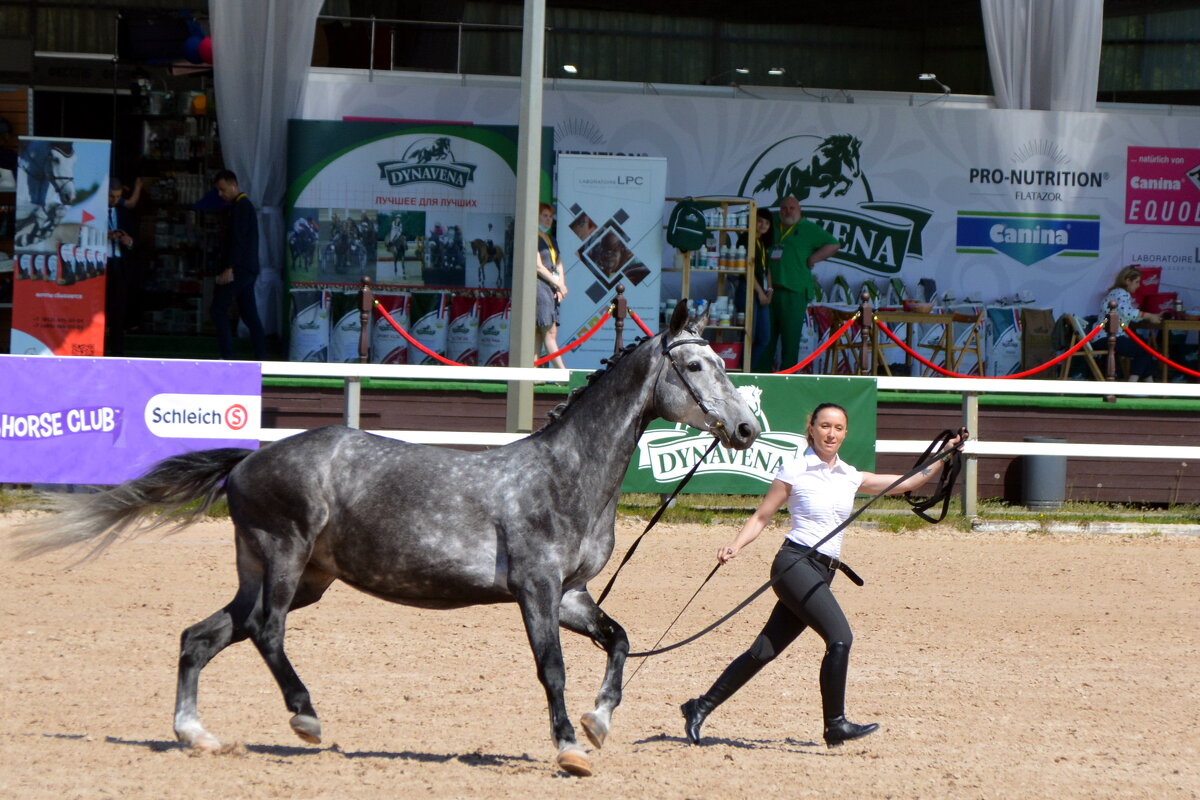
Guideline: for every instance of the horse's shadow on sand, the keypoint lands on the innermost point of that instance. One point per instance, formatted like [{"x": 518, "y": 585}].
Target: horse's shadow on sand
[
  {"x": 294, "y": 751},
  {"x": 784, "y": 745}
]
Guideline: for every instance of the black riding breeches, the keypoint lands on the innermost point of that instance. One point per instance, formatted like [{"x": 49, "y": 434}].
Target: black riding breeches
[{"x": 804, "y": 601}]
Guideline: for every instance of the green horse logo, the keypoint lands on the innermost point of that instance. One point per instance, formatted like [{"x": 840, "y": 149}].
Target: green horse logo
[
  {"x": 824, "y": 172},
  {"x": 832, "y": 168}
]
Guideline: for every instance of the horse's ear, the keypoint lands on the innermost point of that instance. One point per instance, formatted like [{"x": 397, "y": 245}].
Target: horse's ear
[
  {"x": 680, "y": 317},
  {"x": 702, "y": 320}
]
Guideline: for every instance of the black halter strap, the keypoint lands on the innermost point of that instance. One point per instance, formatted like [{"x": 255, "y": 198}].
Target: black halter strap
[{"x": 667, "y": 348}]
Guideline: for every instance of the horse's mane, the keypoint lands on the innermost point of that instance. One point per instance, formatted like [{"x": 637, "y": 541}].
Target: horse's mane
[{"x": 555, "y": 414}]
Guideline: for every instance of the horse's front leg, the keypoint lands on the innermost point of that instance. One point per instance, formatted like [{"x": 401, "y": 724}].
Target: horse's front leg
[
  {"x": 539, "y": 600},
  {"x": 579, "y": 613}
]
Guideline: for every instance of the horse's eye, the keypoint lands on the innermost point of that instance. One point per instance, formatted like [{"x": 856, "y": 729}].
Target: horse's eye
[{"x": 694, "y": 366}]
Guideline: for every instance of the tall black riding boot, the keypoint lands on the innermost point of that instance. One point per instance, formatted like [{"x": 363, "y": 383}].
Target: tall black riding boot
[
  {"x": 740, "y": 670},
  {"x": 834, "y": 667}
]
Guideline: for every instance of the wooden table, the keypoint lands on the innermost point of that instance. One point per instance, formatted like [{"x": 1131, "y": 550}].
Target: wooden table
[{"x": 1169, "y": 326}]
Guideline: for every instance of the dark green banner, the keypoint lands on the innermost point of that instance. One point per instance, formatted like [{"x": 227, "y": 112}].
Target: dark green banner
[{"x": 782, "y": 404}]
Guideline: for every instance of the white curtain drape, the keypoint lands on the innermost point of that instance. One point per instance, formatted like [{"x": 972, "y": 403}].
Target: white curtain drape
[
  {"x": 262, "y": 50},
  {"x": 1044, "y": 54}
]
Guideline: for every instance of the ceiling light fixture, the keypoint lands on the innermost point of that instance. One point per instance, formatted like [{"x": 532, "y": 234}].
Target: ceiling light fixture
[
  {"x": 929, "y": 76},
  {"x": 776, "y": 71},
  {"x": 570, "y": 69}
]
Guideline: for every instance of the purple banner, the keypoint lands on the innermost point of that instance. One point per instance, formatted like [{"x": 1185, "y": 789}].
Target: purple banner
[{"x": 104, "y": 421}]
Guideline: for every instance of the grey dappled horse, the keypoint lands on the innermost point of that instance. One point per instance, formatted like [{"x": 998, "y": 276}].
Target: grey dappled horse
[{"x": 529, "y": 523}]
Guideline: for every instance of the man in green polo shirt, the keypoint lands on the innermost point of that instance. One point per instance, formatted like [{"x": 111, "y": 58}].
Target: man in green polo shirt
[{"x": 800, "y": 245}]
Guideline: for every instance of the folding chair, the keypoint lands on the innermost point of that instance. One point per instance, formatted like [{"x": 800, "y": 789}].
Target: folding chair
[
  {"x": 968, "y": 342},
  {"x": 844, "y": 357},
  {"x": 1088, "y": 353}
]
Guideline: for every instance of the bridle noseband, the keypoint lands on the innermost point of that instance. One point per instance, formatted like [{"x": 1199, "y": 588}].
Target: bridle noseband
[{"x": 687, "y": 384}]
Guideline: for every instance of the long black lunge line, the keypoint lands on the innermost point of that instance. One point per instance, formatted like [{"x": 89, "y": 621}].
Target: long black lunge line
[
  {"x": 654, "y": 519},
  {"x": 924, "y": 461}
]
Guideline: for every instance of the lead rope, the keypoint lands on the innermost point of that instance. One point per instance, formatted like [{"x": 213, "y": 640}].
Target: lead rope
[
  {"x": 654, "y": 520},
  {"x": 922, "y": 463},
  {"x": 946, "y": 481},
  {"x": 666, "y": 349}
]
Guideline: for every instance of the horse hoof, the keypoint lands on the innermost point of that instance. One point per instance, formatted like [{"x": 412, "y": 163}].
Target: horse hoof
[
  {"x": 595, "y": 727},
  {"x": 574, "y": 761},
  {"x": 202, "y": 740},
  {"x": 307, "y": 728}
]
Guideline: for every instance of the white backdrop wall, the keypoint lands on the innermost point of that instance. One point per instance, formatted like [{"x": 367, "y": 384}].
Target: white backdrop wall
[{"x": 918, "y": 192}]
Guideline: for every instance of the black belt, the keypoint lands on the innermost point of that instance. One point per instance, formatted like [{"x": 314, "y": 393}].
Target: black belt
[{"x": 826, "y": 561}]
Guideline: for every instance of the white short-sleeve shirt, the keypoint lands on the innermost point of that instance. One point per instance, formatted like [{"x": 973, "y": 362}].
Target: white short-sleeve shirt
[{"x": 821, "y": 498}]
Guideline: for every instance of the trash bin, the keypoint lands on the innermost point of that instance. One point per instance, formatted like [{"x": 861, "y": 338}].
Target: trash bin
[{"x": 1044, "y": 478}]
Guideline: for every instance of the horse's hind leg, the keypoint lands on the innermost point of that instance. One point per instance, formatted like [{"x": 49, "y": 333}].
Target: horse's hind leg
[
  {"x": 580, "y": 614},
  {"x": 287, "y": 585},
  {"x": 198, "y": 645},
  {"x": 247, "y": 616}
]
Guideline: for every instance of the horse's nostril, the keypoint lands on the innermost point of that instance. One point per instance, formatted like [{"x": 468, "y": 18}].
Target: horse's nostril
[{"x": 745, "y": 431}]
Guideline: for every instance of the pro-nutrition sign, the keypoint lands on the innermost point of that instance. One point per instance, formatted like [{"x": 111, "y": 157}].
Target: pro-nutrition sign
[{"x": 104, "y": 421}]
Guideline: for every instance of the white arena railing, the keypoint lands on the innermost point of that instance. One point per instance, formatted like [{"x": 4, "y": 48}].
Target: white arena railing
[
  {"x": 969, "y": 389},
  {"x": 353, "y": 374}
]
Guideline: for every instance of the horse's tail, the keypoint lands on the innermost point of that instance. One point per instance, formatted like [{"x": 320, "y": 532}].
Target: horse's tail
[{"x": 172, "y": 488}]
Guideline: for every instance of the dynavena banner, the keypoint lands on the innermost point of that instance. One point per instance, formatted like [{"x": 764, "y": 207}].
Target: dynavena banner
[
  {"x": 104, "y": 421},
  {"x": 781, "y": 404}
]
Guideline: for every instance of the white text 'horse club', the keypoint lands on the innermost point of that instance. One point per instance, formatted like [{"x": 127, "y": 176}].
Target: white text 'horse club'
[{"x": 528, "y": 523}]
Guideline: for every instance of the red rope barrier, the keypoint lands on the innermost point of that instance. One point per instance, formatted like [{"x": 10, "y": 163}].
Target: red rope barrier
[
  {"x": 1159, "y": 355},
  {"x": 451, "y": 363},
  {"x": 413, "y": 341},
  {"x": 589, "y": 334},
  {"x": 1057, "y": 359},
  {"x": 824, "y": 346},
  {"x": 639, "y": 322}
]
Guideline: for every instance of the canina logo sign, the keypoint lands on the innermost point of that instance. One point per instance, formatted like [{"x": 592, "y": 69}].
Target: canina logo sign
[{"x": 1028, "y": 238}]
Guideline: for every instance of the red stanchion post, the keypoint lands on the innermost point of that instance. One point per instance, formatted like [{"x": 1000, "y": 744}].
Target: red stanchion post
[
  {"x": 620, "y": 311},
  {"x": 1112, "y": 327},
  {"x": 866, "y": 340},
  {"x": 366, "y": 300}
]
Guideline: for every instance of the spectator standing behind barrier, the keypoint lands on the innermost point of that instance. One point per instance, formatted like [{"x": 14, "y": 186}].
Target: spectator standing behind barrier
[
  {"x": 800, "y": 247},
  {"x": 117, "y": 281},
  {"x": 551, "y": 287},
  {"x": 8, "y": 156},
  {"x": 1126, "y": 284},
  {"x": 238, "y": 268},
  {"x": 760, "y": 357},
  {"x": 819, "y": 489}
]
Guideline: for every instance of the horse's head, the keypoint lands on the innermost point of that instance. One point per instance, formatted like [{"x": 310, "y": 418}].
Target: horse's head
[
  {"x": 60, "y": 170},
  {"x": 694, "y": 389},
  {"x": 843, "y": 149}
]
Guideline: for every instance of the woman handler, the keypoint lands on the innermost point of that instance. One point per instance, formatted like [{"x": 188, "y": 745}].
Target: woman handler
[{"x": 819, "y": 489}]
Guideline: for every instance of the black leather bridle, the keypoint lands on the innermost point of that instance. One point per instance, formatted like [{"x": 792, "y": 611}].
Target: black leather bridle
[{"x": 687, "y": 384}]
